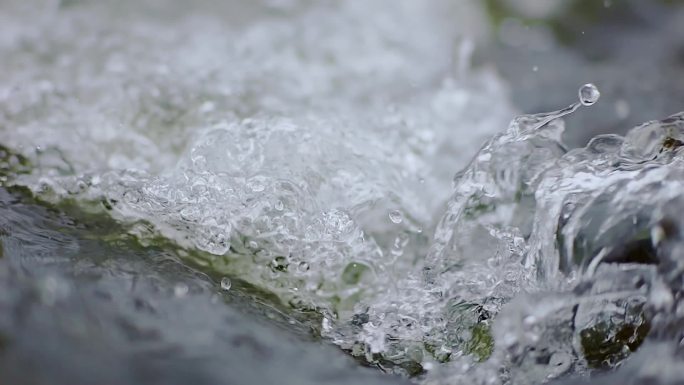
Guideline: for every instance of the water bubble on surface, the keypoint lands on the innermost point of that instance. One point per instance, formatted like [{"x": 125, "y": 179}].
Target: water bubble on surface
[
  {"x": 396, "y": 216},
  {"x": 303, "y": 267},
  {"x": 181, "y": 290},
  {"x": 226, "y": 283}
]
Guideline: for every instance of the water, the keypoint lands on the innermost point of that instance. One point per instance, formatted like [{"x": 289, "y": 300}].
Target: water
[
  {"x": 589, "y": 94},
  {"x": 295, "y": 166},
  {"x": 83, "y": 301},
  {"x": 226, "y": 283}
]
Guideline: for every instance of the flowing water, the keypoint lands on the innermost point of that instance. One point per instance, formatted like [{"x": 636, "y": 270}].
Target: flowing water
[{"x": 222, "y": 193}]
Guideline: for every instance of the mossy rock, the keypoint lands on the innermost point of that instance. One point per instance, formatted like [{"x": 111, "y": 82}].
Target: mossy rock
[
  {"x": 12, "y": 164},
  {"x": 606, "y": 344},
  {"x": 481, "y": 343}
]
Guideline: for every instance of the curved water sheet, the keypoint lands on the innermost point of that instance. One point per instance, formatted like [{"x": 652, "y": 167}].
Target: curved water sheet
[{"x": 598, "y": 232}]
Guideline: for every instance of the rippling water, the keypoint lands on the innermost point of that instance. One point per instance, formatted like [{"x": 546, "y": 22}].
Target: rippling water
[{"x": 210, "y": 190}]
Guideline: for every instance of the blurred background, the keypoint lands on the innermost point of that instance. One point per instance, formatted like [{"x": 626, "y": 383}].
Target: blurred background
[{"x": 632, "y": 50}]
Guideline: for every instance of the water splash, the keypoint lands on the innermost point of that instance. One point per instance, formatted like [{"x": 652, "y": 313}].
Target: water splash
[
  {"x": 500, "y": 182},
  {"x": 311, "y": 174}
]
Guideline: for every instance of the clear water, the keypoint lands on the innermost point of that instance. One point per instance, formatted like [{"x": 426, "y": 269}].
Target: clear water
[{"x": 307, "y": 152}]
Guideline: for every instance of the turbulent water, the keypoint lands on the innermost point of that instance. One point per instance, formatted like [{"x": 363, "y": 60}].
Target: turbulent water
[{"x": 309, "y": 150}]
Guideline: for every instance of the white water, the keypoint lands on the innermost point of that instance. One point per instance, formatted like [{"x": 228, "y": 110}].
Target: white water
[{"x": 311, "y": 148}]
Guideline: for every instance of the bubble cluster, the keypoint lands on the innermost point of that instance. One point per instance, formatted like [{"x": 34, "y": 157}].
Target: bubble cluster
[{"x": 283, "y": 146}]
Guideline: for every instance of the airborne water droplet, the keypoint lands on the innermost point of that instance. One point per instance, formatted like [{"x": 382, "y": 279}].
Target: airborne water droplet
[
  {"x": 588, "y": 94},
  {"x": 180, "y": 290},
  {"x": 279, "y": 205},
  {"x": 395, "y": 216},
  {"x": 226, "y": 283}
]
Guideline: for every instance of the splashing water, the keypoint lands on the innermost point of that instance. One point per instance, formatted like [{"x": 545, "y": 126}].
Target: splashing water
[
  {"x": 598, "y": 216},
  {"x": 295, "y": 160}
]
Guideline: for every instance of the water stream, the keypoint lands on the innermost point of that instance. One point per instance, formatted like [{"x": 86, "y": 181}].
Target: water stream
[{"x": 190, "y": 195}]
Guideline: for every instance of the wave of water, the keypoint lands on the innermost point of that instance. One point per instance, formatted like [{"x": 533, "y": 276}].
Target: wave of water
[{"x": 310, "y": 150}]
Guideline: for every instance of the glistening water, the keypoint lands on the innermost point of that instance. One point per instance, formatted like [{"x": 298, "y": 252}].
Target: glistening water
[{"x": 319, "y": 192}]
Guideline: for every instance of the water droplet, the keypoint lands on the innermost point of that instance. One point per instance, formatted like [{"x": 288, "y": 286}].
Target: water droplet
[
  {"x": 279, "y": 205},
  {"x": 207, "y": 107},
  {"x": 180, "y": 290},
  {"x": 226, "y": 283},
  {"x": 326, "y": 324},
  {"x": 53, "y": 289},
  {"x": 279, "y": 264},
  {"x": 588, "y": 94},
  {"x": 253, "y": 245},
  {"x": 353, "y": 272},
  {"x": 257, "y": 184},
  {"x": 661, "y": 296},
  {"x": 190, "y": 213},
  {"x": 303, "y": 267},
  {"x": 199, "y": 162},
  {"x": 535, "y": 68},
  {"x": 395, "y": 216},
  {"x": 657, "y": 235}
]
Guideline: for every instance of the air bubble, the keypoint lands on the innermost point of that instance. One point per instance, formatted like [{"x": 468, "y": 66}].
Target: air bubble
[
  {"x": 181, "y": 290},
  {"x": 279, "y": 205},
  {"x": 395, "y": 216},
  {"x": 226, "y": 283},
  {"x": 257, "y": 184},
  {"x": 303, "y": 267},
  {"x": 657, "y": 235},
  {"x": 589, "y": 94}
]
